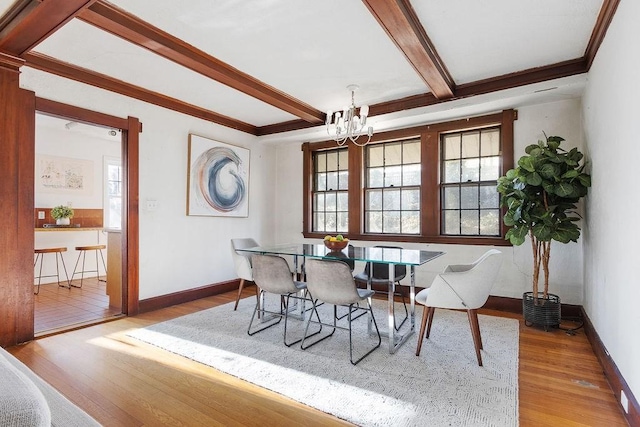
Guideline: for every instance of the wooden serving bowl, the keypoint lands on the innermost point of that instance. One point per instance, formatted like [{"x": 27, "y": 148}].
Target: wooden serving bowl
[{"x": 336, "y": 246}]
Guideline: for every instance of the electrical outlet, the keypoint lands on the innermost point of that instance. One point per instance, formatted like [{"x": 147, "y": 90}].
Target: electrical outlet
[
  {"x": 40, "y": 214},
  {"x": 152, "y": 205},
  {"x": 624, "y": 402}
]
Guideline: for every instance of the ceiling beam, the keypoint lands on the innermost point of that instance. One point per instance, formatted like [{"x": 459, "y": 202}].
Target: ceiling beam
[
  {"x": 28, "y": 23},
  {"x": 403, "y": 27},
  {"x": 480, "y": 87},
  {"x": 600, "y": 29},
  {"x": 134, "y": 30},
  {"x": 83, "y": 75}
]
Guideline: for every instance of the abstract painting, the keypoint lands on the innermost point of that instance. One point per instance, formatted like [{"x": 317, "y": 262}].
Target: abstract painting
[{"x": 218, "y": 178}]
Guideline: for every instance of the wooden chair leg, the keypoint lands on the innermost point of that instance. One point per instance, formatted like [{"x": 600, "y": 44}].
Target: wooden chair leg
[
  {"x": 432, "y": 311},
  {"x": 475, "y": 331},
  {"x": 423, "y": 326},
  {"x": 235, "y": 307}
]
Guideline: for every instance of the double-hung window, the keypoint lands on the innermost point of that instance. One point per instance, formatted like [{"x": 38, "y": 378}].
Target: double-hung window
[
  {"x": 392, "y": 187},
  {"x": 330, "y": 191},
  {"x": 428, "y": 184},
  {"x": 470, "y": 203}
]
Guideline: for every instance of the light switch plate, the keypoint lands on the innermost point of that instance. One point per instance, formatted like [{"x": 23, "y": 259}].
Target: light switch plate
[{"x": 40, "y": 214}]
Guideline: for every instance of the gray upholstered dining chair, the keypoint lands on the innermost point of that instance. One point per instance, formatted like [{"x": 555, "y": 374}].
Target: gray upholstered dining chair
[
  {"x": 380, "y": 281},
  {"x": 460, "y": 287},
  {"x": 242, "y": 263},
  {"x": 331, "y": 282},
  {"x": 272, "y": 275}
]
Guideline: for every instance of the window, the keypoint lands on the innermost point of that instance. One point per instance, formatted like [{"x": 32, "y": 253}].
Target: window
[
  {"x": 433, "y": 183},
  {"x": 392, "y": 188},
  {"x": 330, "y": 191},
  {"x": 113, "y": 193},
  {"x": 470, "y": 170}
]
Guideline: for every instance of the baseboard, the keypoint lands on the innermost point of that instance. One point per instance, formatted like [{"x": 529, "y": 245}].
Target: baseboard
[
  {"x": 162, "y": 301},
  {"x": 611, "y": 372}
]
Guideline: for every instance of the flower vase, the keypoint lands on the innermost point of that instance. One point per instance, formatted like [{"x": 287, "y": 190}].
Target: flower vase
[{"x": 63, "y": 221}]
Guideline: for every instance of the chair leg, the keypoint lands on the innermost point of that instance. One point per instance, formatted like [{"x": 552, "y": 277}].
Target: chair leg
[
  {"x": 475, "y": 331},
  {"x": 350, "y": 335},
  {"x": 268, "y": 325},
  {"x": 235, "y": 307},
  {"x": 430, "y": 321},
  {"x": 406, "y": 312},
  {"x": 423, "y": 327},
  {"x": 257, "y": 297},
  {"x": 314, "y": 309}
]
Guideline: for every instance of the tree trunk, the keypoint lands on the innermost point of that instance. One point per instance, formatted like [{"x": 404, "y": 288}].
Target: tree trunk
[
  {"x": 535, "y": 246},
  {"x": 546, "y": 254}
]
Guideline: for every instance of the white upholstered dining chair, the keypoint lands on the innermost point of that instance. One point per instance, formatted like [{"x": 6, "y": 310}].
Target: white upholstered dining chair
[
  {"x": 242, "y": 263},
  {"x": 460, "y": 287}
]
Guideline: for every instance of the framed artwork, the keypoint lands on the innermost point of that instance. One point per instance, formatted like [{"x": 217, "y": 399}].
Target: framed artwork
[
  {"x": 64, "y": 175},
  {"x": 218, "y": 178}
]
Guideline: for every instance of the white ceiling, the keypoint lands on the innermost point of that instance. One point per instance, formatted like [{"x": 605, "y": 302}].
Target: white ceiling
[{"x": 312, "y": 50}]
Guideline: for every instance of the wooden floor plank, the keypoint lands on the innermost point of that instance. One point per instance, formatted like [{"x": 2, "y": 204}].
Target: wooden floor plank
[
  {"x": 59, "y": 307},
  {"x": 124, "y": 382}
]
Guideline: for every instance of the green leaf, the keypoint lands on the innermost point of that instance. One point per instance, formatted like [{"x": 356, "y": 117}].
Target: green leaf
[
  {"x": 511, "y": 174},
  {"x": 549, "y": 170},
  {"x": 533, "y": 150},
  {"x": 563, "y": 189},
  {"x": 534, "y": 179},
  {"x": 570, "y": 174},
  {"x": 526, "y": 163},
  {"x": 585, "y": 180}
]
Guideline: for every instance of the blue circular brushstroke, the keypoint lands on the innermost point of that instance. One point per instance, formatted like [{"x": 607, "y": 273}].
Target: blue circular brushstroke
[{"x": 211, "y": 165}]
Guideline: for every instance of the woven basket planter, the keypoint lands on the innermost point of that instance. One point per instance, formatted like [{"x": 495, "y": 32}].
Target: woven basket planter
[{"x": 545, "y": 313}]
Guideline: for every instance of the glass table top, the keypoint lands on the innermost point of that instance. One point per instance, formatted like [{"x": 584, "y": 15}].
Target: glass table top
[{"x": 356, "y": 253}]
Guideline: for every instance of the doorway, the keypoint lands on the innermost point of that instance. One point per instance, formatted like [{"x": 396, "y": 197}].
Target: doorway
[
  {"x": 78, "y": 166},
  {"x": 116, "y": 174}
]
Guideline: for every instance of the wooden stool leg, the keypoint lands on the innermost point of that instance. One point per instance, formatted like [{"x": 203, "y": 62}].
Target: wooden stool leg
[
  {"x": 39, "y": 272},
  {"x": 66, "y": 274},
  {"x": 75, "y": 269},
  {"x": 103, "y": 265}
]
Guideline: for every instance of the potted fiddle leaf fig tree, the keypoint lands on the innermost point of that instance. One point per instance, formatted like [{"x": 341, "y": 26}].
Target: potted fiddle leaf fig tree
[{"x": 541, "y": 196}]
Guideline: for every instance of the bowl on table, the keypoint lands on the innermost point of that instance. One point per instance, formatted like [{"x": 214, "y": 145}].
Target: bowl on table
[{"x": 336, "y": 245}]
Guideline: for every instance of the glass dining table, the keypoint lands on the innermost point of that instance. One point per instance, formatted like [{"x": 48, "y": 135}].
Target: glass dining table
[{"x": 383, "y": 255}]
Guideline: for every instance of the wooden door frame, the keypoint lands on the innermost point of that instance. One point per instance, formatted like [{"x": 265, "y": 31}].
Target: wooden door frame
[{"x": 131, "y": 128}]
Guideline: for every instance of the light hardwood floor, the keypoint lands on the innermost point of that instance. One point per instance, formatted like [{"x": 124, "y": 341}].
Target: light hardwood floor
[
  {"x": 123, "y": 382},
  {"x": 59, "y": 307}
]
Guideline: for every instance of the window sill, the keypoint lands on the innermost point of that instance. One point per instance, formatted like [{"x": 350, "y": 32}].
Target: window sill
[{"x": 451, "y": 240}]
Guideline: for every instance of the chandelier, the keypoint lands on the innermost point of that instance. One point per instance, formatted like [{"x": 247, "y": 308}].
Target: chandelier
[{"x": 347, "y": 125}]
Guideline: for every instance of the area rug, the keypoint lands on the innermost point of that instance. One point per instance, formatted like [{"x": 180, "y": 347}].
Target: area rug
[{"x": 444, "y": 386}]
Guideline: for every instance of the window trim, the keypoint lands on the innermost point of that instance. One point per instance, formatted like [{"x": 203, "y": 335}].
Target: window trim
[{"x": 430, "y": 189}]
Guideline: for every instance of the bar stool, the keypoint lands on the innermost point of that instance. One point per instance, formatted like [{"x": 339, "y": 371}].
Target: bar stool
[
  {"x": 83, "y": 253},
  {"x": 40, "y": 256}
]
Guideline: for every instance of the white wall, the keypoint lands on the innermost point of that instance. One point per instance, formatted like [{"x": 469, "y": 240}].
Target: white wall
[
  {"x": 612, "y": 231},
  {"x": 559, "y": 118},
  {"x": 177, "y": 252}
]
